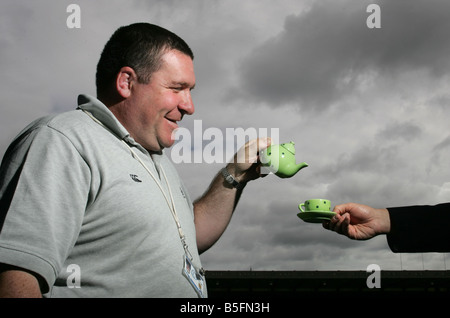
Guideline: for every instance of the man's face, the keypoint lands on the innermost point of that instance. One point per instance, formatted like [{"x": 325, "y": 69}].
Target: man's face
[{"x": 158, "y": 106}]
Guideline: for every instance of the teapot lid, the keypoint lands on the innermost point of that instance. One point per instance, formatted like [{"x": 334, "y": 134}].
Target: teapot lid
[{"x": 289, "y": 146}]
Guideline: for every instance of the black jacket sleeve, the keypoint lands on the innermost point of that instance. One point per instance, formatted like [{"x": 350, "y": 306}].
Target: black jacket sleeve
[{"x": 423, "y": 228}]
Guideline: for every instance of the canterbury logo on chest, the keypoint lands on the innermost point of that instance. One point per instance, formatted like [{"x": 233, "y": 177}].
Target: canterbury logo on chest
[{"x": 135, "y": 178}]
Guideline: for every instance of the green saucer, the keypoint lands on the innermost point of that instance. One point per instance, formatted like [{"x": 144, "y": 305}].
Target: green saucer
[{"x": 316, "y": 216}]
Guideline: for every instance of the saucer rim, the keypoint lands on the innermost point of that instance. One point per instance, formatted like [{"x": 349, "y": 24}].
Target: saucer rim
[
  {"x": 317, "y": 211},
  {"x": 320, "y": 217}
]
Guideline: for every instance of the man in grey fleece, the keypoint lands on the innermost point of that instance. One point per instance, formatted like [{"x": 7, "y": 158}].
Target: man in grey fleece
[{"x": 90, "y": 206}]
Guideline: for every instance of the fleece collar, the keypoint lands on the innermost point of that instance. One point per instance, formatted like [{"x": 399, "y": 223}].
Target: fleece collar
[{"x": 103, "y": 114}]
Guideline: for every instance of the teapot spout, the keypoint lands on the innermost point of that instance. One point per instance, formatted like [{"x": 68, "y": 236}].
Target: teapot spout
[
  {"x": 301, "y": 166},
  {"x": 293, "y": 169}
]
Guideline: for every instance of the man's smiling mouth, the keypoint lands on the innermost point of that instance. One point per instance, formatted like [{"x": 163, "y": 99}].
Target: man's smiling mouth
[{"x": 173, "y": 121}]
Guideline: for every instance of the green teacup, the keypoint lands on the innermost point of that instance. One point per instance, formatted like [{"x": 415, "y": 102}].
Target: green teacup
[{"x": 315, "y": 205}]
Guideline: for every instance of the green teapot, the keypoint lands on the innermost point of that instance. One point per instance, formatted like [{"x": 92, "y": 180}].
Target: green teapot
[{"x": 280, "y": 159}]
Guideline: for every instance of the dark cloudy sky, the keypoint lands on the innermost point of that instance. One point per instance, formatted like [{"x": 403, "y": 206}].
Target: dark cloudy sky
[{"x": 368, "y": 109}]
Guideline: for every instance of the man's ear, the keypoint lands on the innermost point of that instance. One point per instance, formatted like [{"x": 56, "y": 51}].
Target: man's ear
[{"x": 124, "y": 81}]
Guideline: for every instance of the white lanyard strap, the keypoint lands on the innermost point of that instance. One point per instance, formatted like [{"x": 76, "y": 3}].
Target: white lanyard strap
[{"x": 170, "y": 203}]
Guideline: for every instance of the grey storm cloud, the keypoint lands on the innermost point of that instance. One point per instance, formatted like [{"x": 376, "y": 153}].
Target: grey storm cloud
[
  {"x": 328, "y": 51},
  {"x": 440, "y": 152},
  {"x": 406, "y": 131}
]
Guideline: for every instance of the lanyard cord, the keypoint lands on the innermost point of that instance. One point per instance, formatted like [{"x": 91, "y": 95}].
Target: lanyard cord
[{"x": 170, "y": 203}]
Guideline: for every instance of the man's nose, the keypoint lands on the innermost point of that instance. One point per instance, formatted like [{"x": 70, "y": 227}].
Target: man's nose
[{"x": 186, "y": 104}]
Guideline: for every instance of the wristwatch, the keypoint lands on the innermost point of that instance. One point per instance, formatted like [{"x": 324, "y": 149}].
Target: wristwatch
[{"x": 231, "y": 180}]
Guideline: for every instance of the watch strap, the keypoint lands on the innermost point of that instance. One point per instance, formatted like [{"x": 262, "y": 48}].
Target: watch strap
[{"x": 231, "y": 180}]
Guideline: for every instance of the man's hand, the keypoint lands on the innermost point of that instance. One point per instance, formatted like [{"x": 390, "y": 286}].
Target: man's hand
[
  {"x": 246, "y": 165},
  {"x": 359, "y": 222}
]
